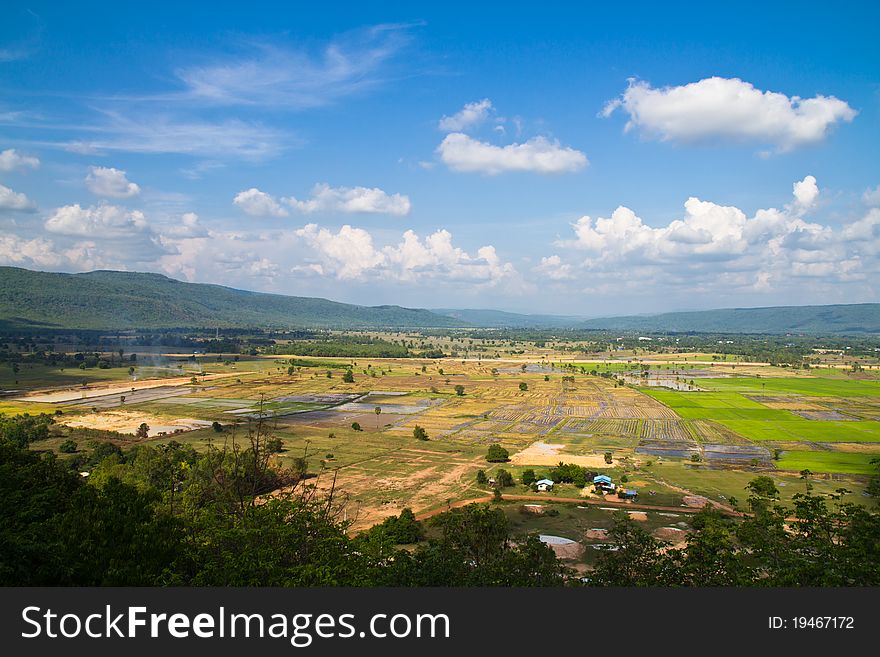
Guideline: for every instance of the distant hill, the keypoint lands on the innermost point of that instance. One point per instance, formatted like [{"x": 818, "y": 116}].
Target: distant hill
[
  {"x": 850, "y": 319},
  {"x": 115, "y": 300},
  {"x": 502, "y": 319}
]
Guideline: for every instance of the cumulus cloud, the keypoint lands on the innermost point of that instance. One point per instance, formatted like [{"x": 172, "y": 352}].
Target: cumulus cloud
[
  {"x": 12, "y": 200},
  {"x": 110, "y": 183},
  {"x": 350, "y": 254},
  {"x": 41, "y": 253},
  {"x": 554, "y": 268},
  {"x": 258, "y": 204},
  {"x": 188, "y": 225},
  {"x": 12, "y": 160},
  {"x": 728, "y": 108},
  {"x": 718, "y": 249},
  {"x": 471, "y": 115},
  {"x": 539, "y": 155},
  {"x": 105, "y": 221},
  {"x": 324, "y": 198},
  {"x": 370, "y": 200},
  {"x": 806, "y": 193}
]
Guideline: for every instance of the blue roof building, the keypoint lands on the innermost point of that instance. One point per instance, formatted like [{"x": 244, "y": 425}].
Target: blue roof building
[{"x": 602, "y": 479}]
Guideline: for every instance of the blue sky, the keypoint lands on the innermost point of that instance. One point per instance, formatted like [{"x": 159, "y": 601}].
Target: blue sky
[{"x": 535, "y": 157}]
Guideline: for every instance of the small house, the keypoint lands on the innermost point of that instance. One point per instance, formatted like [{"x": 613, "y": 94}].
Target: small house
[
  {"x": 544, "y": 485},
  {"x": 603, "y": 483},
  {"x": 627, "y": 494}
]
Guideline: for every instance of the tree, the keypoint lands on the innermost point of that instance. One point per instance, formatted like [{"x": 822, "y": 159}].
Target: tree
[
  {"x": 348, "y": 377},
  {"x": 482, "y": 479},
  {"x": 873, "y": 488},
  {"x": 419, "y": 433},
  {"x": 459, "y": 390},
  {"x": 67, "y": 447},
  {"x": 275, "y": 445},
  {"x": 523, "y": 386},
  {"x": 503, "y": 479},
  {"x": 356, "y": 426},
  {"x": 609, "y": 459},
  {"x": 217, "y": 427},
  {"x": 529, "y": 477},
  {"x": 378, "y": 412},
  {"x": 143, "y": 431},
  {"x": 497, "y": 454}
]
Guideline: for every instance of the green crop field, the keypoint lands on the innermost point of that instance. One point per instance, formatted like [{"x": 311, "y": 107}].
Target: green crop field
[
  {"x": 843, "y": 462},
  {"x": 808, "y": 386}
]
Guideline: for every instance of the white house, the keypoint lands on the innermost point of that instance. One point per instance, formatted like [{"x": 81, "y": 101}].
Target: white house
[{"x": 544, "y": 485}]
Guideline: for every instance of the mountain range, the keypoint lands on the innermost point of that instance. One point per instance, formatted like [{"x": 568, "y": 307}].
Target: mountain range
[{"x": 117, "y": 300}]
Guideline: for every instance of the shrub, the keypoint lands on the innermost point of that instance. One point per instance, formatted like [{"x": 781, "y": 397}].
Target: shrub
[
  {"x": 497, "y": 454},
  {"x": 68, "y": 446}
]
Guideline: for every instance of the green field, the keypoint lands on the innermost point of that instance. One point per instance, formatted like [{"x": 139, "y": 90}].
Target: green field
[
  {"x": 807, "y": 386},
  {"x": 843, "y": 462},
  {"x": 756, "y": 421}
]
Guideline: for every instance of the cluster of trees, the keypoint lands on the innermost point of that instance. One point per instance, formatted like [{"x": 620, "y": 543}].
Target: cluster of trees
[
  {"x": 821, "y": 541},
  {"x": 344, "y": 346},
  {"x": 171, "y": 516},
  {"x": 83, "y": 360},
  {"x": 168, "y": 515}
]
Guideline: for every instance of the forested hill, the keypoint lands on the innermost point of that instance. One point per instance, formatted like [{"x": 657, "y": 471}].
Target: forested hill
[
  {"x": 114, "y": 300},
  {"x": 839, "y": 319}
]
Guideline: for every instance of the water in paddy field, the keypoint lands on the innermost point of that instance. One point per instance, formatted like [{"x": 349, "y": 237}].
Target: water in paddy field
[{"x": 659, "y": 382}]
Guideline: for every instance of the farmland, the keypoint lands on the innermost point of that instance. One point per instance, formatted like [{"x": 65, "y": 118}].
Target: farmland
[{"x": 353, "y": 419}]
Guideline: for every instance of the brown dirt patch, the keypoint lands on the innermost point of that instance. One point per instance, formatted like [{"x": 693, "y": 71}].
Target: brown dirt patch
[
  {"x": 672, "y": 534},
  {"x": 596, "y": 534},
  {"x": 541, "y": 453},
  {"x": 129, "y": 421},
  {"x": 695, "y": 501}
]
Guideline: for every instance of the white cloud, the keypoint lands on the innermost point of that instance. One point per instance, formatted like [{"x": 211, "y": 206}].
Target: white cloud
[
  {"x": 12, "y": 160},
  {"x": 539, "y": 155},
  {"x": 103, "y": 221},
  {"x": 38, "y": 252},
  {"x": 352, "y": 199},
  {"x": 258, "y": 204},
  {"x": 110, "y": 183},
  {"x": 324, "y": 198},
  {"x": 188, "y": 225},
  {"x": 553, "y": 268},
  {"x": 44, "y": 253},
  {"x": 350, "y": 254},
  {"x": 168, "y": 134},
  {"x": 269, "y": 74},
  {"x": 12, "y": 200},
  {"x": 471, "y": 115},
  {"x": 729, "y": 108},
  {"x": 716, "y": 250}
]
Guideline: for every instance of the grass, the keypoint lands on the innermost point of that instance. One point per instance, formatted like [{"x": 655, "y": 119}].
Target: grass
[
  {"x": 844, "y": 462},
  {"x": 800, "y": 429},
  {"x": 807, "y": 386}
]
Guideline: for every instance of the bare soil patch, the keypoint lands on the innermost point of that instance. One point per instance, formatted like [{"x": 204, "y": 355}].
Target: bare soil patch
[
  {"x": 129, "y": 421},
  {"x": 541, "y": 453}
]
